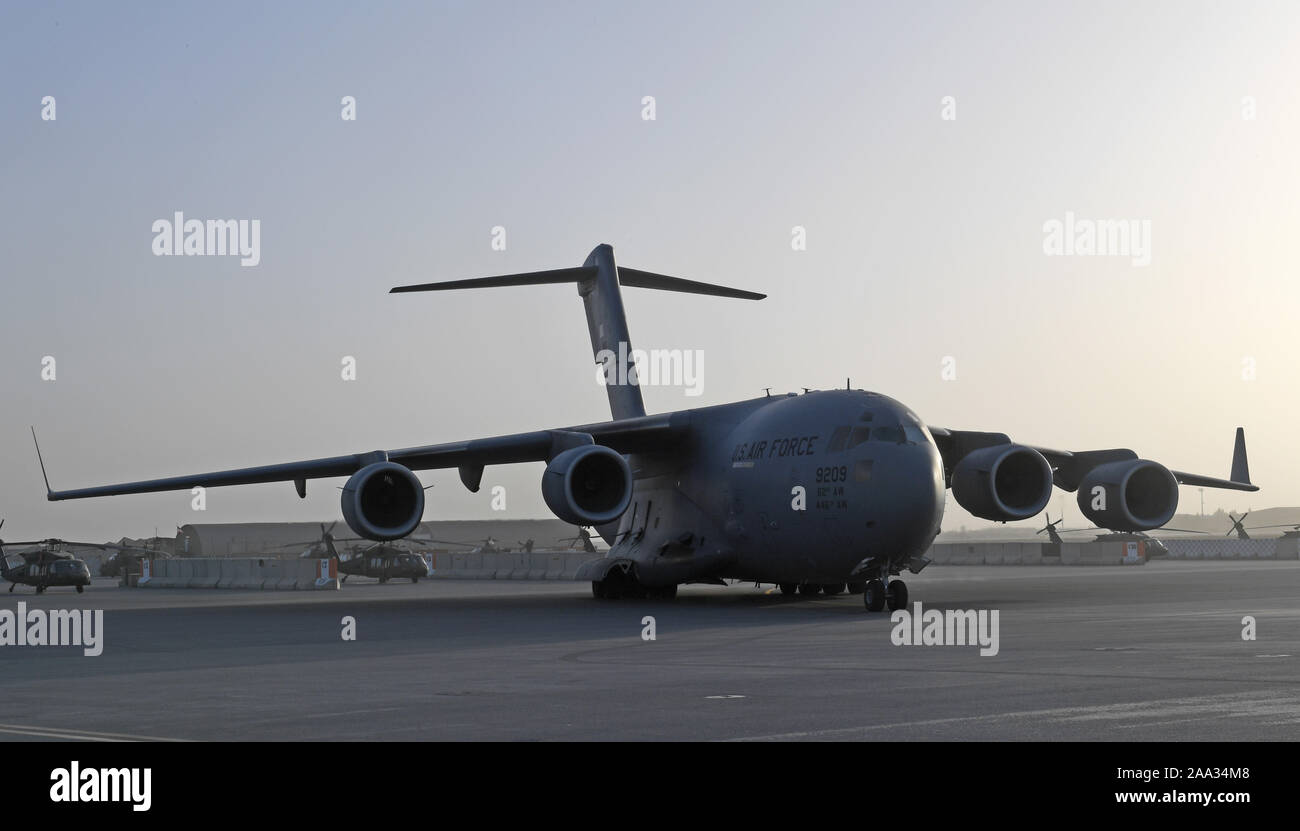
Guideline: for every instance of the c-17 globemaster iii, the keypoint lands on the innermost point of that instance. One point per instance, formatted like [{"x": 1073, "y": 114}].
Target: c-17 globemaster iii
[{"x": 826, "y": 488}]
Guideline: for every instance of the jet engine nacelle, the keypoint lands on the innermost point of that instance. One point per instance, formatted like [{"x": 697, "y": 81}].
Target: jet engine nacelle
[
  {"x": 1004, "y": 482},
  {"x": 588, "y": 485},
  {"x": 1133, "y": 495},
  {"x": 383, "y": 501}
]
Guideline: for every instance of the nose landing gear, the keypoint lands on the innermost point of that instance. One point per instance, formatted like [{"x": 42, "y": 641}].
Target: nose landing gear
[
  {"x": 896, "y": 595},
  {"x": 880, "y": 594}
]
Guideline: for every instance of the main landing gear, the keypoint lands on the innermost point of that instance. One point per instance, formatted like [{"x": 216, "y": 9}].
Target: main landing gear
[
  {"x": 811, "y": 589},
  {"x": 619, "y": 584},
  {"x": 878, "y": 594}
]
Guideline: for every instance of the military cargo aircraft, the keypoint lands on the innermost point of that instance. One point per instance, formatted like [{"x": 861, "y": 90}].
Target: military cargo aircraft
[{"x": 824, "y": 488}]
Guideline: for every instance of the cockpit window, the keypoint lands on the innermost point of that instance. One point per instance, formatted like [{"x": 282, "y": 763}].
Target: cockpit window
[
  {"x": 907, "y": 429},
  {"x": 890, "y": 434},
  {"x": 915, "y": 431},
  {"x": 838, "y": 438}
]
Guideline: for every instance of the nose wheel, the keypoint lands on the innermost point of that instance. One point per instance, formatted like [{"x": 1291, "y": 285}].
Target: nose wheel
[
  {"x": 876, "y": 596},
  {"x": 896, "y": 595}
]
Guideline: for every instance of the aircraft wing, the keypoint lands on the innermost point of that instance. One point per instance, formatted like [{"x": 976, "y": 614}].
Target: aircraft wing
[
  {"x": 1070, "y": 466},
  {"x": 631, "y": 435}
]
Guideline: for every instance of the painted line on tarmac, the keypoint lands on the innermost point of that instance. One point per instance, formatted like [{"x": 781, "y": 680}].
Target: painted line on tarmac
[{"x": 82, "y": 735}]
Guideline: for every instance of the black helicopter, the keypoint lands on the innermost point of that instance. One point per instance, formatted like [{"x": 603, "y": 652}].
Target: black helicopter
[
  {"x": 382, "y": 561},
  {"x": 1239, "y": 528},
  {"x": 584, "y": 537},
  {"x": 125, "y": 559},
  {"x": 45, "y": 567},
  {"x": 1154, "y": 548}
]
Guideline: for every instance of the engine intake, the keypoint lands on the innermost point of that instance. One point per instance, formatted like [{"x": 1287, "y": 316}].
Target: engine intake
[
  {"x": 383, "y": 501},
  {"x": 588, "y": 485},
  {"x": 1004, "y": 482},
  {"x": 1134, "y": 495}
]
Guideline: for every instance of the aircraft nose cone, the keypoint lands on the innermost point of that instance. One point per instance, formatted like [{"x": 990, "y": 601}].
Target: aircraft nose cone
[{"x": 917, "y": 500}]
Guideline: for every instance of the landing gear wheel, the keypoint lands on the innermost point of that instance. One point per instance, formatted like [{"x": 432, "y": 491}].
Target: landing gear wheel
[
  {"x": 897, "y": 595},
  {"x": 857, "y": 588},
  {"x": 873, "y": 596},
  {"x": 613, "y": 587},
  {"x": 11, "y": 587},
  {"x": 810, "y": 589},
  {"x": 415, "y": 579},
  {"x": 40, "y": 589},
  {"x": 80, "y": 589},
  {"x": 787, "y": 589},
  {"x": 832, "y": 588},
  {"x": 663, "y": 592}
]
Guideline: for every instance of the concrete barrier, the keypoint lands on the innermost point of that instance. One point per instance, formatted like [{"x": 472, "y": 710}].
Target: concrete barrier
[
  {"x": 205, "y": 574},
  {"x": 473, "y": 567},
  {"x": 537, "y": 564},
  {"x": 1109, "y": 553},
  {"x": 1031, "y": 553},
  {"x": 164, "y": 574},
  {"x": 511, "y": 567},
  {"x": 968, "y": 554},
  {"x": 459, "y": 566},
  {"x": 554, "y": 567},
  {"x": 572, "y": 562},
  {"x": 247, "y": 575},
  {"x": 239, "y": 573}
]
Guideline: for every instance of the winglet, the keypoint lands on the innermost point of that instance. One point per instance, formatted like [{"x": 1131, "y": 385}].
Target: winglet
[
  {"x": 42, "y": 461},
  {"x": 1240, "y": 467}
]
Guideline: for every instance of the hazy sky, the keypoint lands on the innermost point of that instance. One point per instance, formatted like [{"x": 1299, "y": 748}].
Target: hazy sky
[{"x": 925, "y": 234}]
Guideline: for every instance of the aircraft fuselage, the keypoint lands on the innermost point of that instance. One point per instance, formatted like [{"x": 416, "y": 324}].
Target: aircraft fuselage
[{"x": 826, "y": 486}]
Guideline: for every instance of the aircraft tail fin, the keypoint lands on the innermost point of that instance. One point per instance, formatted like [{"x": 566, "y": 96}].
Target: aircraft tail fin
[
  {"x": 1240, "y": 467},
  {"x": 599, "y": 280}
]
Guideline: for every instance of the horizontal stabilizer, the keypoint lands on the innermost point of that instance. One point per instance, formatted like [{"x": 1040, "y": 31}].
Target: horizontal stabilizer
[
  {"x": 626, "y": 277},
  {"x": 1239, "y": 477},
  {"x": 646, "y": 280},
  {"x": 530, "y": 278}
]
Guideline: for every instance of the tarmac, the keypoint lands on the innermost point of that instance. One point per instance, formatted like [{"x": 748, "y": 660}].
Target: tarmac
[{"x": 1122, "y": 653}]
